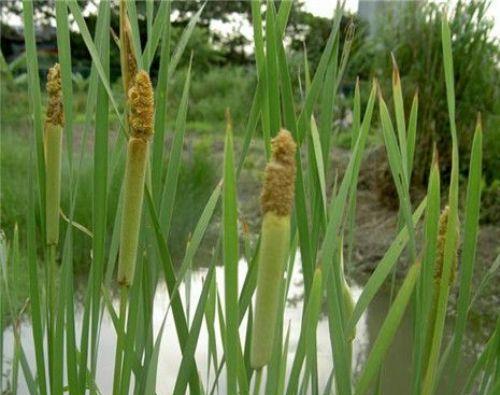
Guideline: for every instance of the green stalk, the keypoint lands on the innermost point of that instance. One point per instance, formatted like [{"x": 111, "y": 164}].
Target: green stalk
[
  {"x": 348, "y": 308},
  {"x": 52, "y": 305},
  {"x": 53, "y": 130},
  {"x": 120, "y": 340},
  {"x": 140, "y": 121},
  {"x": 258, "y": 380}
]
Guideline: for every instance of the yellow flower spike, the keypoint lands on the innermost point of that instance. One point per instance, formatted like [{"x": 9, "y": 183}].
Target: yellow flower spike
[
  {"x": 53, "y": 131},
  {"x": 141, "y": 105},
  {"x": 276, "y": 202}
]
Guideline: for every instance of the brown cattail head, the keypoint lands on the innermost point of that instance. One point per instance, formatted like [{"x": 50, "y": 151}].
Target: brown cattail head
[
  {"x": 55, "y": 114},
  {"x": 279, "y": 184},
  {"x": 141, "y": 105},
  {"x": 438, "y": 270}
]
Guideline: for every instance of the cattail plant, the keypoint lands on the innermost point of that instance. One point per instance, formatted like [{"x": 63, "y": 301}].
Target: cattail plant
[
  {"x": 52, "y": 145},
  {"x": 141, "y": 110},
  {"x": 139, "y": 127},
  {"x": 140, "y": 122},
  {"x": 276, "y": 202},
  {"x": 68, "y": 356},
  {"x": 53, "y": 131}
]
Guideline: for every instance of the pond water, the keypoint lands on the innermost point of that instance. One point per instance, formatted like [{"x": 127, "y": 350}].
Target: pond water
[{"x": 396, "y": 374}]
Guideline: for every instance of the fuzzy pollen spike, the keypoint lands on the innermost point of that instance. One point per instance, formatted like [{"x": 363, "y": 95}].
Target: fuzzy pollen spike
[
  {"x": 279, "y": 184},
  {"x": 55, "y": 113},
  {"x": 141, "y": 104}
]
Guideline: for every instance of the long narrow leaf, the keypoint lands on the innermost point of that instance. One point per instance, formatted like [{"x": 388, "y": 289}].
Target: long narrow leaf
[
  {"x": 471, "y": 228},
  {"x": 230, "y": 248}
]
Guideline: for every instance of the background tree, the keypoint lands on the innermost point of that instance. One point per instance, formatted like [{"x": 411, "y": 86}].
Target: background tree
[{"x": 414, "y": 37}]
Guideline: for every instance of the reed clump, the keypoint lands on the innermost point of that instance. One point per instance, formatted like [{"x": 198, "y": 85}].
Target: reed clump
[
  {"x": 276, "y": 203},
  {"x": 141, "y": 110},
  {"x": 53, "y": 132}
]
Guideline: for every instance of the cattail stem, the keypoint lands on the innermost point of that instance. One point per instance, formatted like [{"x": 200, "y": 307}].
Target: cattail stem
[
  {"x": 140, "y": 107},
  {"x": 52, "y": 274},
  {"x": 277, "y": 197},
  {"x": 348, "y": 307},
  {"x": 258, "y": 380},
  {"x": 120, "y": 340},
  {"x": 51, "y": 301},
  {"x": 53, "y": 132}
]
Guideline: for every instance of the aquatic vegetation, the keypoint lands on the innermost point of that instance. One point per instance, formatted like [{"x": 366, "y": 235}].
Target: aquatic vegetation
[{"x": 243, "y": 316}]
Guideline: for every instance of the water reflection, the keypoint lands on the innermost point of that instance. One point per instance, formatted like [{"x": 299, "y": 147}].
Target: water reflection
[{"x": 396, "y": 369}]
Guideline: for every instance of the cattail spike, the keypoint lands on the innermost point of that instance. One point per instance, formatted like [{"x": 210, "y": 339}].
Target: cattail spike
[
  {"x": 135, "y": 174},
  {"x": 279, "y": 184},
  {"x": 276, "y": 200},
  {"x": 52, "y": 141},
  {"x": 141, "y": 104},
  {"x": 55, "y": 113},
  {"x": 141, "y": 110},
  {"x": 438, "y": 269}
]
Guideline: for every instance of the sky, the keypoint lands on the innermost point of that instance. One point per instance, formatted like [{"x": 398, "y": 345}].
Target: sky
[{"x": 325, "y": 8}]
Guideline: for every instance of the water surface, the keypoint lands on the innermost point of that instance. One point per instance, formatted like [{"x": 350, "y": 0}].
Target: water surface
[{"x": 396, "y": 373}]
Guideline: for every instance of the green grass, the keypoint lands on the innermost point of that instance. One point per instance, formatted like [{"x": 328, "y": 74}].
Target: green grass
[{"x": 186, "y": 194}]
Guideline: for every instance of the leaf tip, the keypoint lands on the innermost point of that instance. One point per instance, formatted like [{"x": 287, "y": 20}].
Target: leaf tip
[{"x": 395, "y": 71}]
